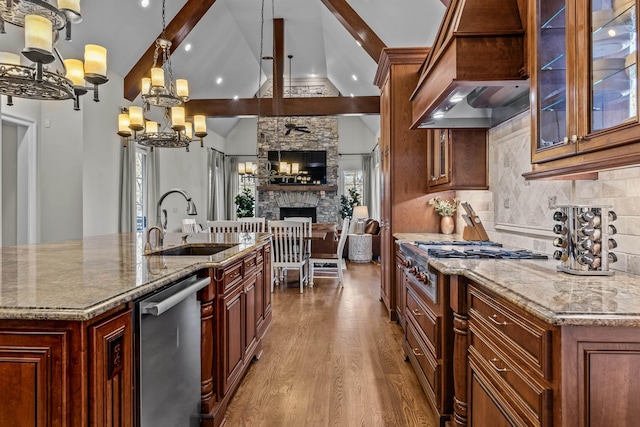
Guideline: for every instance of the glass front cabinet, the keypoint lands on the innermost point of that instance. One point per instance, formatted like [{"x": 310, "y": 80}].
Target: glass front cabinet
[{"x": 584, "y": 77}]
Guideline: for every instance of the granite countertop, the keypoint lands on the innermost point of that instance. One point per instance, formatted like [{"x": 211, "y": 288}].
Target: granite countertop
[
  {"x": 553, "y": 296},
  {"x": 80, "y": 279}
]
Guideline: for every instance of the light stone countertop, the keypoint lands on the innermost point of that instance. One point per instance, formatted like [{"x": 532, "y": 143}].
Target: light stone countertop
[
  {"x": 80, "y": 279},
  {"x": 537, "y": 287}
]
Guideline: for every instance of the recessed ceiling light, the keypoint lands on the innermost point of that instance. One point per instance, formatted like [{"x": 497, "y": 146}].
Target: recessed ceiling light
[
  {"x": 144, "y": 3},
  {"x": 313, "y": 75},
  {"x": 235, "y": 97},
  {"x": 354, "y": 77},
  {"x": 352, "y": 95},
  {"x": 187, "y": 47},
  {"x": 438, "y": 115},
  {"x": 219, "y": 80}
]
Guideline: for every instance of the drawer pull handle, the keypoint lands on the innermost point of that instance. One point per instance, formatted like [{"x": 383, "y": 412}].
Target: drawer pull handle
[
  {"x": 493, "y": 363},
  {"x": 416, "y": 352},
  {"x": 494, "y": 319},
  {"x": 234, "y": 275},
  {"x": 416, "y": 312}
]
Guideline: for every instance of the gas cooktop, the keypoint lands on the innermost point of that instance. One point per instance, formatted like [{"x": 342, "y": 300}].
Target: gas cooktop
[{"x": 468, "y": 250}]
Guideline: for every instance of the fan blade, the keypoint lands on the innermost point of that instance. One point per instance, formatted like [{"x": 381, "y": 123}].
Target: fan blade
[
  {"x": 301, "y": 127},
  {"x": 303, "y": 130},
  {"x": 288, "y": 131}
]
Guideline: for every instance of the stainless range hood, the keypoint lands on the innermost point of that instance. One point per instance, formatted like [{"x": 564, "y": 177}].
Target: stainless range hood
[{"x": 476, "y": 74}]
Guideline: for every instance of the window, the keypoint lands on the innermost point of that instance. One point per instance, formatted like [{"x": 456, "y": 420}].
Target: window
[
  {"x": 141, "y": 189},
  {"x": 353, "y": 179}
]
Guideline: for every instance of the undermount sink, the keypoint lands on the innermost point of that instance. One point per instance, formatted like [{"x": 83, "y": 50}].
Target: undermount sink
[{"x": 194, "y": 250}]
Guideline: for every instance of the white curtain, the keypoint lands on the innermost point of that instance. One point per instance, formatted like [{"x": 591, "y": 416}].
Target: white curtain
[
  {"x": 153, "y": 185},
  {"x": 127, "y": 199},
  {"x": 232, "y": 185},
  {"x": 216, "y": 202},
  {"x": 366, "y": 181}
]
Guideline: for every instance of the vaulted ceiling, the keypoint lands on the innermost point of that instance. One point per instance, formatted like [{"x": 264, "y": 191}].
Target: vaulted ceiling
[{"x": 225, "y": 41}]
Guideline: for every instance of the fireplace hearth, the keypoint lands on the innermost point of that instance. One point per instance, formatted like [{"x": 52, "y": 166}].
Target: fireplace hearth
[{"x": 299, "y": 212}]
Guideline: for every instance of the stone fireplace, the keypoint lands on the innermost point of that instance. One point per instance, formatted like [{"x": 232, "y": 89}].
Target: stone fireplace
[{"x": 322, "y": 136}]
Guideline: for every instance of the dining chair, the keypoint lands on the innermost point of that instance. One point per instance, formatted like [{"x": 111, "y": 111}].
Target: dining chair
[
  {"x": 288, "y": 249},
  {"x": 252, "y": 224},
  {"x": 331, "y": 259},
  {"x": 189, "y": 225},
  {"x": 307, "y": 221},
  {"x": 223, "y": 226}
]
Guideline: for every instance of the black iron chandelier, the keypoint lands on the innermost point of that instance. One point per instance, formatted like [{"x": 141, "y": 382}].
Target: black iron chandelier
[{"x": 40, "y": 79}]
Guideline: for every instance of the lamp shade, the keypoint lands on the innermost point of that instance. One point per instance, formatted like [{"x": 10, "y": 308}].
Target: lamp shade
[
  {"x": 157, "y": 77},
  {"x": 241, "y": 169},
  {"x": 123, "y": 125},
  {"x": 9, "y": 58},
  {"x": 200, "y": 125},
  {"x": 151, "y": 126},
  {"x": 146, "y": 85},
  {"x": 188, "y": 130},
  {"x": 75, "y": 71},
  {"x": 177, "y": 118},
  {"x": 38, "y": 33},
  {"x": 95, "y": 60},
  {"x": 136, "y": 119},
  {"x": 73, "y": 5},
  {"x": 360, "y": 212},
  {"x": 249, "y": 168},
  {"x": 182, "y": 88},
  {"x": 295, "y": 168}
]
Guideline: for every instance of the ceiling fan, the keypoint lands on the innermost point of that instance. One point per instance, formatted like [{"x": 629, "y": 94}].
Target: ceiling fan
[{"x": 292, "y": 126}]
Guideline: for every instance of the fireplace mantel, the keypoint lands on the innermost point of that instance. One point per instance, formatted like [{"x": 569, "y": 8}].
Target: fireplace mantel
[{"x": 297, "y": 187}]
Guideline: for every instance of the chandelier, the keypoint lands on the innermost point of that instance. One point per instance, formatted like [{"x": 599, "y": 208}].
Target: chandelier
[
  {"x": 42, "y": 23},
  {"x": 160, "y": 90}
]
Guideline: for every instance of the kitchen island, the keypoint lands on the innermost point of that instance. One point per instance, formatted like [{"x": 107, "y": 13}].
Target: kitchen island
[
  {"x": 66, "y": 323},
  {"x": 529, "y": 345}
]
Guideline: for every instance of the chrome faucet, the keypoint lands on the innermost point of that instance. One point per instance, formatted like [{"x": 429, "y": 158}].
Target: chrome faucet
[
  {"x": 191, "y": 207},
  {"x": 159, "y": 240}
]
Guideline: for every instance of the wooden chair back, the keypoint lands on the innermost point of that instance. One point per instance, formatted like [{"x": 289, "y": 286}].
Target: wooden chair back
[{"x": 223, "y": 226}]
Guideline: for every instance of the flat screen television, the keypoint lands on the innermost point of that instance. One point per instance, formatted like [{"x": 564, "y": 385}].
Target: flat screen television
[{"x": 311, "y": 165}]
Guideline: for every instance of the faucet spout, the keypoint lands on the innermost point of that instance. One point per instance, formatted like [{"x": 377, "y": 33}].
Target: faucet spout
[
  {"x": 159, "y": 241},
  {"x": 191, "y": 207}
]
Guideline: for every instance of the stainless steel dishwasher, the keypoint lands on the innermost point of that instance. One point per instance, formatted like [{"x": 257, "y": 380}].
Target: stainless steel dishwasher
[{"x": 168, "y": 353}]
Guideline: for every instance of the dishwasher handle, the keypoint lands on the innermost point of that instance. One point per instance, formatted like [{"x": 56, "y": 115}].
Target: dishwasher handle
[{"x": 156, "y": 308}]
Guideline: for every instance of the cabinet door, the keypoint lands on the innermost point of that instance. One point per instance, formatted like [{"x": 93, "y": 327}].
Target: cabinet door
[
  {"x": 267, "y": 281},
  {"x": 232, "y": 336},
  {"x": 608, "y": 88},
  {"x": 438, "y": 156},
  {"x": 552, "y": 79},
  {"x": 400, "y": 288},
  {"x": 250, "y": 320},
  {"x": 35, "y": 378},
  {"x": 111, "y": 371},
  {"x": 484, "y": 409}
]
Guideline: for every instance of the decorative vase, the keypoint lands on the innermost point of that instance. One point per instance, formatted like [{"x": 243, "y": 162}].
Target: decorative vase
[{"x": 446, "y": 225}]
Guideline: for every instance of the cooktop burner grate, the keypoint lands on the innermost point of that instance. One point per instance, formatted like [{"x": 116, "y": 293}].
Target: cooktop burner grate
[{"x": 484, "y": 253}]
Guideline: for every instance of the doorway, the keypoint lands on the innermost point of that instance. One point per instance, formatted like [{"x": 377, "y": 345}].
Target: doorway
[{"x": 18, "y": 165}]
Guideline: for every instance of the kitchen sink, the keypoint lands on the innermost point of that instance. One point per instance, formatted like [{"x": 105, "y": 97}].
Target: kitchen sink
[{"x": 194, "y": 250}]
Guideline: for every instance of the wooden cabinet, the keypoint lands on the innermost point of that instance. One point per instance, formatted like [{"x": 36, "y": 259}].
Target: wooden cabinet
[
  {"x": 457, "y": 159},
  {"x": 584, "y": 91},
  {"x": 428, "y": 341},
  {"x": 232, "y": 335},
  {"x": 67, "y": 373},
  {"x": 401, "y": 278},
  {"x": 403, "y": 157}
]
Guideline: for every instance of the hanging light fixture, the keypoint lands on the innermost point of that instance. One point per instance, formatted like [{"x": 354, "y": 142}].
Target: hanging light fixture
[
  {"x": 42, "y": 23},
  {"x": 160, "y": 90}
]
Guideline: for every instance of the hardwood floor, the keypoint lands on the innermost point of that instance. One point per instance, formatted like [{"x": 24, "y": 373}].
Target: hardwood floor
[{"x": 331, "y": 358}]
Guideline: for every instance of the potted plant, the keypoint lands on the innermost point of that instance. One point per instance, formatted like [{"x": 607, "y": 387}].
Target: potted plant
[
  {"x": 245, "y": 203},
  {"x": 348, "y": 202},
  {"x": 446, "y": 209}
]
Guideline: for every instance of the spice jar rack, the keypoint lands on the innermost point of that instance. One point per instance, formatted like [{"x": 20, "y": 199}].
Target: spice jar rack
[{"x": 584, "y": 243}]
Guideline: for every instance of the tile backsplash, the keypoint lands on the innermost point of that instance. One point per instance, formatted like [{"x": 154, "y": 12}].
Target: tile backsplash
[{"x": 519, "y": 213}]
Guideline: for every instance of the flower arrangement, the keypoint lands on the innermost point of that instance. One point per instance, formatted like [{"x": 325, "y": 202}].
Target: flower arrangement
[{"x": 444, "y": 207}]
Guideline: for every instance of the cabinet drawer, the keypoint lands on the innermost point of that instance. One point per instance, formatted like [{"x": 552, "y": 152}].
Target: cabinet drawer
[
  {"x": 249, "y": 264},
  {"x": 519, "y": 334},
  {"x": 231, "y": 276},
  {"x": 427, "y": 322},
  {"x": 429, "y": 367},
  {"x": 529, "y": 397}
]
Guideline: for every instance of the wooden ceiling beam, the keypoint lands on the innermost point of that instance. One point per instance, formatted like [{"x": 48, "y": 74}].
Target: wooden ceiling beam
[
  {"x": 278, "y": 64},
  {"x": 176, "y": 31},
  {"x": 356, "y": 26},
  {"x": 323, "y": 106}
]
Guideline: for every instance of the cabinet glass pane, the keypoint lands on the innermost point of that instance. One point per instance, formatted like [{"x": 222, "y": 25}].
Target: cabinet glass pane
[
  {"x": 552, "y": 73},
  {"x": 442, "y": 153},
  {"x": 613, "y": 63}
]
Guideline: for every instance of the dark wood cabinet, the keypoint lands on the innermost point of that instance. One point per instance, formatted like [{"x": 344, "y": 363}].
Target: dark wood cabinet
[
  {"x": 583, "y": 91},
  {"x": 457, "y": 159},
  {"x": 428, "y": 341},
  {"x": 63, "y": 373},
  {"x": 403, "y": 157},
  {"x": 400, "y": 265},
  {"x": 232, "y": 337}
]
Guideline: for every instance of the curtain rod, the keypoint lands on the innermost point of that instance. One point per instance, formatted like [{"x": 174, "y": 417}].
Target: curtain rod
[
  {"x": 218, "y": 151},
  {"x": 241, "y": 155},
  {"x": 354, "y": 154}
]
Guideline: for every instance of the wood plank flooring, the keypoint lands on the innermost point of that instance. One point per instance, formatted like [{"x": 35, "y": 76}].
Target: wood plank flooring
[{"x": 331, "y": 358}]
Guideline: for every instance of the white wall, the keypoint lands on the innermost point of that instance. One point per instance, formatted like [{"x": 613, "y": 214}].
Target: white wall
[
  {"x": 242, "y": 140},
  {"x": 354, "y": 136}
]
